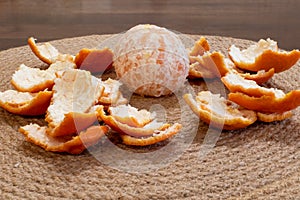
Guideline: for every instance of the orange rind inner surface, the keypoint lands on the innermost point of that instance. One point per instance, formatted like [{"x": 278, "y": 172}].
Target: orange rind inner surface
[
  {"x": 27, "y": 79},
  {"x": 124, "y": 128},
  {"x": 24, "y": 103},
  {"x": 267, "y": 104},
  {"x": 76, "y": 91},
  {"x": 271, "y": 117},
  {"x": 260, "y": 77},
  {"x": 264, "y": 55},
  {"x": 73, "y": 145},
  {"x": 200, "y": 47},
  {"x": 236, "y": 83},
  {"x": 94, "y": 60},
  {"x": 157, "y": 136},
  {"x": 111, "y": 95},
  {"x": 219, "y": 112}
]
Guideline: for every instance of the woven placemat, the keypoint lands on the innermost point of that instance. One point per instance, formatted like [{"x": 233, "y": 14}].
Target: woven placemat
[{"x": 259, "y": 162}]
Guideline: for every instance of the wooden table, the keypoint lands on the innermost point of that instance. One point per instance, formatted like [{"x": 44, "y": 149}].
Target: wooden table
[{"x": 248, "y": 19}]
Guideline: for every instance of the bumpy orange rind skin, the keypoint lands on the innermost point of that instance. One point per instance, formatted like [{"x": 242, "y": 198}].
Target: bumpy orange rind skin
[
  {"x": 37, "y": 106},
  {"x": 267, "y": 104},
  {"x": 269, "y": 59},
  {"x": 74, "y": 145},
  {"x": 200, "y": 47},
  {"x": 271, "y": 117},
  {"x": 94, "y": 60},
  {"x": 221, "y": 122},
  {"x": 158, "y": 137}
]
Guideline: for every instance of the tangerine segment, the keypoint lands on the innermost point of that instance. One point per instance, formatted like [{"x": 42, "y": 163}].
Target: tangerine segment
[
  {"x": 123, "y": 128},
  {"x": 264, "y": 55},
  {"x": 94, "y": 60},
  {"x": 267, "y": 104},
  {"x": 219, "y": 112},
  {"x": 45, "y": 52},
  {"x": 236, "y": 83},
  {"x": 157, "y": 136},
  {"x": 210, "y": 65},
  {"x": 24, "y": 103},
  {"x": 27, "y": 79},
  {"x": 73, "y": 145},
  {"x": 200, "y": 47},
  {"x": 271, "y": 117}
]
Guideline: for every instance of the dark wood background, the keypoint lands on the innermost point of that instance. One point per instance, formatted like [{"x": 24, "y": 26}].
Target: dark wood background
[{"x": 54, "y": 19}]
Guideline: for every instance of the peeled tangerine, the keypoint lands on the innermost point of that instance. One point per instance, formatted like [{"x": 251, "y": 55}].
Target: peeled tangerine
[
  {"x": 264, "y": 55},
  {"x": 219, "y": 112},
  {"x": 151, "y": 60},
  {"x": 137, "y": 127}
]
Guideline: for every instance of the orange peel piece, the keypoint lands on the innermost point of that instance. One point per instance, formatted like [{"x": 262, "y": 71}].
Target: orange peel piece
[
  {"x": 260, "y": 77},
  {"x": 74, "y": 145},
  {"x": 209, "y": 65},
  {"x": 94, "y": 60},
  {"x": 124, "y": 128},
  {"x": 264, "y": 55},
  {"x": 157, "y": 136},
  {"x": 271, "y": 117},
  {"x": 75, "y": 92},
  {"x": 46, "y": 52},
  {"x": 24, "y": 103},
  {"x": 112, "y": 94},
  {"x": 219, "y": 112},
  {"x": 200, "y": 47},
  {"x": 267, "y": 104},
  {"x": 236, "y": 83},
  {"x": 27, "y": 79}
]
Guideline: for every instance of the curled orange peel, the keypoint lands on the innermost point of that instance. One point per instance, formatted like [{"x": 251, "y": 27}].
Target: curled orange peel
[
  {"x": 24, "y": 103},
  {"x": 264, "y": 55},
  {"x": 267, "y": 104},
  {"x": 94, "y": 60},
  {"x": 155, "y": 138},
  {"x": 200, "y": 47},
  {"x": 271, "y": 117},
  {"x": 219, "y": 112},
  {"x": 73, "y": 145},
  {"x": 47, "y": 53}
]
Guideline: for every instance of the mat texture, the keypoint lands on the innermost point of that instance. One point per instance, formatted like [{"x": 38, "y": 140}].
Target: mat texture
[{"x": 259, "y": 162}]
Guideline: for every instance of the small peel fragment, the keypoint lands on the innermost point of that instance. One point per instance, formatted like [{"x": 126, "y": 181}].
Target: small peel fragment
[
  {"x": 272, "y": 117},
  {"x": 219, "y": 112},
  {"x": 73, "y": 145},
  {"x": 155, "y": 138},
  {"x": 200, "y": 47},
  {"x": 94, "y": 60},
  {"x": 25, "y": 103},
  {"x": 264, "y": 55},
  {"x": 267, "y": 104}
]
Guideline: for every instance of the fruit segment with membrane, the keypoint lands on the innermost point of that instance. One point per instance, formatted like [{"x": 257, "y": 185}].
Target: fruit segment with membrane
[
  {"x": 219, "y": 112},
  {"x": 264, "y": 55},
  {"x": 151, "y": 60}
]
